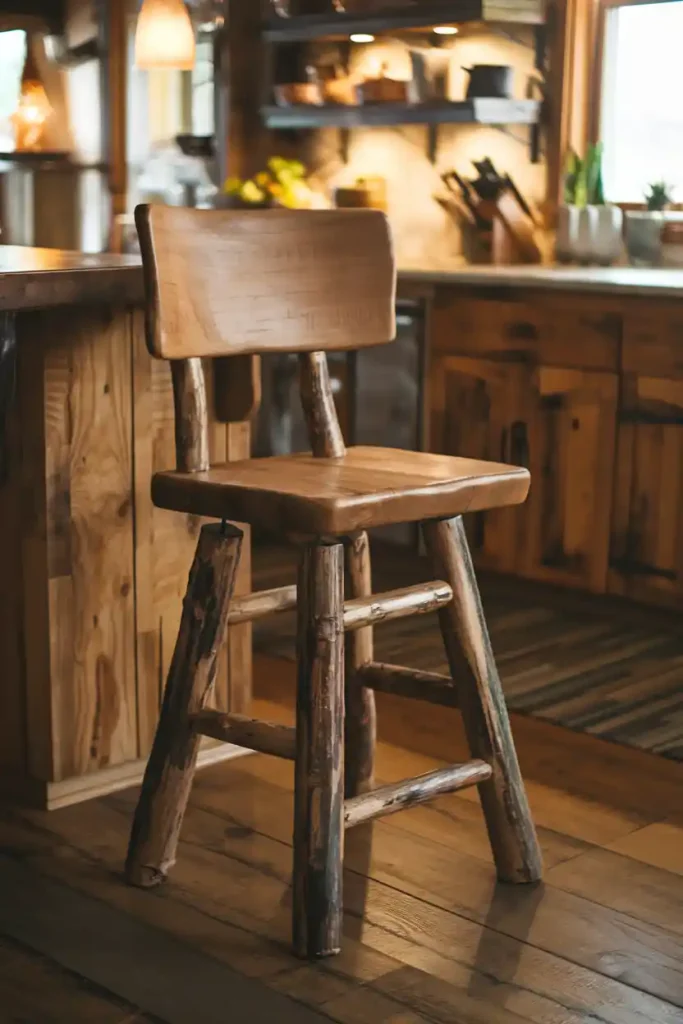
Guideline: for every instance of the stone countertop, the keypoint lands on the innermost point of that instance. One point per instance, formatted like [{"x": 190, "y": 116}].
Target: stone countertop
[
  {"x": 40, "y": 278},
  {"x": 622, "y": 281}
]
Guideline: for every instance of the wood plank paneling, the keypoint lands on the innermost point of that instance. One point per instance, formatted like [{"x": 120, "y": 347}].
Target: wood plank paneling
[
  {"x": 96, "y": 574},
  {"x": 572, "y": 452},
  {"x": 79, "y": 553},
  {"x": 474, "y": 402},
  {"x": 647, "y": 533}
]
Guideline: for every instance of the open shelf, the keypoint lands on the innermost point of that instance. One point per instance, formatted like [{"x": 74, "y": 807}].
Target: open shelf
[
  {"x": 473, "y": 111},
  {"x": 394, "y": 19}
]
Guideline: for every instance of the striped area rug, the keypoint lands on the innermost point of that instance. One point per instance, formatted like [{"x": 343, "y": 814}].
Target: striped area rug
[{"x": 592, "y": 664}]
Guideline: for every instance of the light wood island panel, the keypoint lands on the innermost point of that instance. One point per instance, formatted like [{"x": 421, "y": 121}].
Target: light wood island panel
[{"x": 91, "y": 573}]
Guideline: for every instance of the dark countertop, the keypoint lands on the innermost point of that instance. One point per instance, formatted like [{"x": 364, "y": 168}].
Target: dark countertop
[{"x": 40, "y": 278}]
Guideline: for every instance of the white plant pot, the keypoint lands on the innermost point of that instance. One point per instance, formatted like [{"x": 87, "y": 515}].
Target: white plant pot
[
  {"x": 567, "y": 233},
  {"x": 589, "y": 234},
  {"x": 607, "y": 240},
  {"x": 586, "y": 233},
  {"x": 644, "y": 237}
]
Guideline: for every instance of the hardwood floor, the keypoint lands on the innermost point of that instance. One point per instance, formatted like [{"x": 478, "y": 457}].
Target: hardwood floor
[
  {"x": 429, "y": 937},
  {"x": 590, "y": 662}
]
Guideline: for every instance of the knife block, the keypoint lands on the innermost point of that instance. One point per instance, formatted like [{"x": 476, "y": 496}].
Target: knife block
[{"x": 512, "y": 231}]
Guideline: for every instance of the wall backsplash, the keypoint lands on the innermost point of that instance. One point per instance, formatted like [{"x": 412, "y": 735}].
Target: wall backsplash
[{"x": 425, "y": 232}]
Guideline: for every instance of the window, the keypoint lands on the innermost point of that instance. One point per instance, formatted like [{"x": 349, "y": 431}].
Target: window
[
  {"x": 12, "y": 54},
  {"x": 642, "y": 106}
]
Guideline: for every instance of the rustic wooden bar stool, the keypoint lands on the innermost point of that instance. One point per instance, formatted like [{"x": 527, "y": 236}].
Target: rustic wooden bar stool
[{"x": 223, "y": 283}]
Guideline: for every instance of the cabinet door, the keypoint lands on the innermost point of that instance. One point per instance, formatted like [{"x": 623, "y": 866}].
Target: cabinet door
[
  {"x": 572, "y": 444},
  {"x": 477, "y": 406},
  {"x": 647, "y": 537}
]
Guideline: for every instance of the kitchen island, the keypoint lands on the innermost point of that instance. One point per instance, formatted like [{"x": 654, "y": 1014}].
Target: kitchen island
[
  {"x": 91, "y": 574},
  {"x": 578, "y": 374}
]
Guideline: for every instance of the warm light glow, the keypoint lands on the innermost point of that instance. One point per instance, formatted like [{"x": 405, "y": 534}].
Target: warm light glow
[
  {"x": 164, "y": 37},
  {"x": 445, "y": 30},
  {"x": 31, "y": 114},
  {"x": 362, "y": 37}
]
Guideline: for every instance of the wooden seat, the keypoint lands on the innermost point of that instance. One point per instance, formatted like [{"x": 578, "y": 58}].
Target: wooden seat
[
  {"x": 365, "y": 487},
  {"x": 221, "y": 283}
]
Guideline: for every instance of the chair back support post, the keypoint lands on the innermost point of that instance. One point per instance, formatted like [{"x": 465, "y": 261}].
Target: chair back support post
[
  {"x": 191, "y": 415},
  {"x": 322, "y": 423}
]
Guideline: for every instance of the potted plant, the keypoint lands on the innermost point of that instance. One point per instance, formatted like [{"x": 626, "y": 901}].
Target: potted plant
[
  {"x": 644, "y": 227},
  {"x": 589, "y": 229}
]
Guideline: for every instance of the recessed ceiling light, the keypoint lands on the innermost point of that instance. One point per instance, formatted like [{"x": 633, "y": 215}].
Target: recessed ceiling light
[
  {"x": 446, "y": 30},
  {"x": 362, "y": 37}
]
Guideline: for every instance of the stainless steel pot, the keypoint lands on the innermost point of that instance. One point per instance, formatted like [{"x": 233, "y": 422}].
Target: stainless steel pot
[{"x": 490, "y": 80}]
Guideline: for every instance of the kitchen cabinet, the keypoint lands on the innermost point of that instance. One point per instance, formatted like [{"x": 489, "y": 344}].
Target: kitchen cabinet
[
  {"x": 478, "y": 410},
  {"x": 571, "y": 429},
  {"x": 561, "y": 424},
  {"x": 647, "y": 537}
]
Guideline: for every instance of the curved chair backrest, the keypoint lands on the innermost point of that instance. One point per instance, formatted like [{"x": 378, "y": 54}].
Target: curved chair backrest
[{"x": 235, "y": 282}]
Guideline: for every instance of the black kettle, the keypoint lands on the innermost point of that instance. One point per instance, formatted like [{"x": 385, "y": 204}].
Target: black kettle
[{"x": 490, "y": 80}]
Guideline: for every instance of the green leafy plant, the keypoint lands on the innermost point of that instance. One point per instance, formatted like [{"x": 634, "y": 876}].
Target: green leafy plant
[
  {"x": 583, "y": 178},
  {"x": 595, "y": 193},
  {"x": 282, "y": 183},
  {"x": 659, "y": 196}
]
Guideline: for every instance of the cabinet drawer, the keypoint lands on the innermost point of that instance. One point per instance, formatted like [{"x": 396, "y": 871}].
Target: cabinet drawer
[
  {"x": 485, "y": 326},
  {"x": 581, "y": 333},
  {"x": 653, "y": 341}
]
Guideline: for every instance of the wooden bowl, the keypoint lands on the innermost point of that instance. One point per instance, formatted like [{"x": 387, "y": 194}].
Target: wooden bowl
[
  {"x": 383, "y": 90},
  {"x": 341, "y": 91},
  {"x": 305, "y": 93}
]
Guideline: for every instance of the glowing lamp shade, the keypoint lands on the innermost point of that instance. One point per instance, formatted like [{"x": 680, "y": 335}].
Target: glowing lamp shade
[
  {"x": 164, "y": 36},
  {"x": 33, "y": 108}
]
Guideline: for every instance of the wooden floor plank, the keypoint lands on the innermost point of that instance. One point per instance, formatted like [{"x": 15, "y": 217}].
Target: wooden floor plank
[
  {"x": 644, "y": 892},
  {"x": 252, "y": 892},
  {"x": 35, "y": 991},
  {"x": 660, "y": 845},
  {"x": 465, "y": 887},
  {"x": 429, "y": 937},
  {"x": 142, "y": 965},
  {"x": 566, "y": 803}
]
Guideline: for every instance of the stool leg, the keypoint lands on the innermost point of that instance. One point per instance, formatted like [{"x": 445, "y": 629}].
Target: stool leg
[
  {"x": 481, "y": 700},
  {"x": 319, "y": 777},
  {"x": 360, "y": 720},
  {"x": 170, "y": 769}
]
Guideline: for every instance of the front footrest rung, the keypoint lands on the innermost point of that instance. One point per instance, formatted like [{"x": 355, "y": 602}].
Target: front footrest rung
[
  {"x": 358, "y": 612},
  {"x": 266, "y": 737},
  {"x": 400, "y": 795},
  {"x": 396, "y": 604},
  {"x": 431, "y": 687}
]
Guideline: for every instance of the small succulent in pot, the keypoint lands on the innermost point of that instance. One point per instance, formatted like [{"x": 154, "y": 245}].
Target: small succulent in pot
[{"x": 659, "y": 196}]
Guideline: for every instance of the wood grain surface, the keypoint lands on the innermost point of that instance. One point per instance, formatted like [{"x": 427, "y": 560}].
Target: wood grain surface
[
  {"x": 360, "y": 726},
  {"x": 442, "y": 942},
  {"x": 319, "y": 801},
  {"x": 301, "y": 494},
  {"x": 468, "y": 648},
  {"x": 95, "y": 574},
  {"x": 169, "y": 773},
  {"x": 231, "y": 282},
  {"x": 41, "y": 278}
]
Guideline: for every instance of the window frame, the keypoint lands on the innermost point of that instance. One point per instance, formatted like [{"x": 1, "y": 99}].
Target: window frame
[{"x": 596, "y": 78}]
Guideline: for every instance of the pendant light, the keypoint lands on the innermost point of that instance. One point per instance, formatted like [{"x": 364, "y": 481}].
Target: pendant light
[
  {"x": 164, "y": 37},
  {"x": 33, "y": 108}
]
